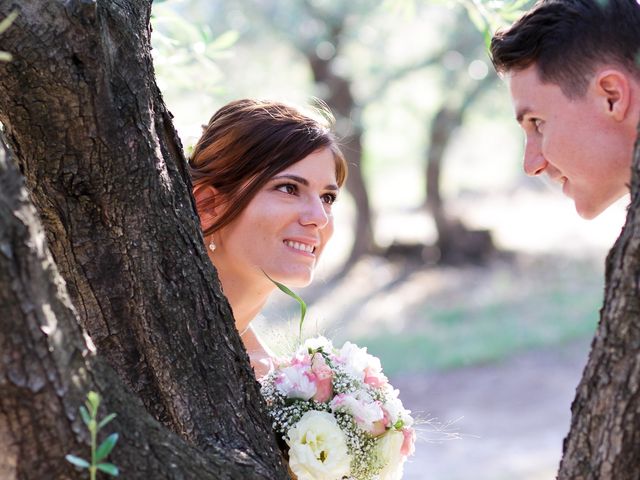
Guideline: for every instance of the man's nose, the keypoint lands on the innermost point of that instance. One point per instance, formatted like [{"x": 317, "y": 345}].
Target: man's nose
[{"x": 534, "y": 161}]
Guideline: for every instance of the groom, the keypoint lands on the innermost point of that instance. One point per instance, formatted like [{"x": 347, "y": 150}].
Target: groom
[{"x": 573, "y": 70}]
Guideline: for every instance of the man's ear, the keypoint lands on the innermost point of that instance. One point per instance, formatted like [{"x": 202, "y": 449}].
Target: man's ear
[
  {"x": 613, "y": 86},
  {"x": 205, "y": 196}
]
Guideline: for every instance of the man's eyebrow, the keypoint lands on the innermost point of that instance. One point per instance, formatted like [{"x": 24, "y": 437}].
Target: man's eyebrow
[
  {"x": 303, "y": 181},
  {"x": 521, "y": 113}
]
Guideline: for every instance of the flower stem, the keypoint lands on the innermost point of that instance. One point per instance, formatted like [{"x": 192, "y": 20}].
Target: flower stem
[{"x": 93, "y": 468}]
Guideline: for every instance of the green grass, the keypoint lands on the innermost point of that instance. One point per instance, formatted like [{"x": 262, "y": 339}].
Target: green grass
[{"x": 465, "y": 335}]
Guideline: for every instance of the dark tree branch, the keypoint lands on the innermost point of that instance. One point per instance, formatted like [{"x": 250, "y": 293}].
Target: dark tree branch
[{"x": 400, "y": 73}]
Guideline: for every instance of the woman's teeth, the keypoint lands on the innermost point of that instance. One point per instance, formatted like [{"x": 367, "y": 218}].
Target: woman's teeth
[{"x": 300, "y": 246}]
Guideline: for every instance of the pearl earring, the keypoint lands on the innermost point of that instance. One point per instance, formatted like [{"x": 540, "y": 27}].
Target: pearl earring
[{"x": 212, "y": 245}]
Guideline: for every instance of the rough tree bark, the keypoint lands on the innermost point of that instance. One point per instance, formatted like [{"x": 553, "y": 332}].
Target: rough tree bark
[
  {"x": 106, "y": 173},
  {"x": 604, "y": 440},
  {"x": 47, "y": 367}
]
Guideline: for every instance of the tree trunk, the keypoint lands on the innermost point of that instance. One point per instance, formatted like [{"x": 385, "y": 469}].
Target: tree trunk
[
  {"x": 604, "y": 440},
  {"x": 106, "y": 173},
  {"x": 456, "y": 243},
  {"x": 47, "y": 368},
  {"x": 443, "y": 124}
]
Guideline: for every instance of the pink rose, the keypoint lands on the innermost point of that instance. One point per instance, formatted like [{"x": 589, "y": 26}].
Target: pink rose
[
  {"x": 364, "y": 410},
  {"x": 296, "y": 381},
  {"x": 374, "y": 377},
  {"x": 408, "y": 444},
  {"x": 301, "y": 360},
  {"x": 378, "y": 428},
  {"x": 381, "y": 426},
  {"x": 323, "y": 378}
]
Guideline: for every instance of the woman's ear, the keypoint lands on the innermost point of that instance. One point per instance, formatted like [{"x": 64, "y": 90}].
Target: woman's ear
[
  {"x": 205, "y": 196},
  {"x": 613, "y": 87}
]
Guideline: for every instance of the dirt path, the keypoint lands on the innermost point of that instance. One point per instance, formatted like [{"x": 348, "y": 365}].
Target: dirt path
[{"x": 511, "y": 416}]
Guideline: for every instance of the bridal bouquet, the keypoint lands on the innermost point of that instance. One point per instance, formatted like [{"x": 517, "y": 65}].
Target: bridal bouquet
[{"x": 337, "y": 414}]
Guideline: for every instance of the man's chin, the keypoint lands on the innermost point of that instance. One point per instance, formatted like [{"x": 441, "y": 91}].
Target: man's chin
[
  {"x": 589, "y": 211},
  {"x": 589, "y": 207},
  {"x": 587, "y": 215}
]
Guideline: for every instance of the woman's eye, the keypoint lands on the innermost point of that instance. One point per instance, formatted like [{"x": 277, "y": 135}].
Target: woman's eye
[
  {"x": 289, "y": 188},
  {"x": 329, "y": 198}
]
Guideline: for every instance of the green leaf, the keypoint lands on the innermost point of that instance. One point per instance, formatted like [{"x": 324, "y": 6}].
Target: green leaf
[
  {"x": 487, "y": 35},
  {"x": 5, "y": 57},
  {"x": 516, "y": 6},
  {"x": 106, "y": 420},
  {"x": 105, "y": 448},
  {"x": 6, "y": 23},
  {"x": 288, "y": 291},
  {"x": 108, "y": 468},
  {"x": 77, "y": 461},
  {"x": 85, "y": 415},
  {"x": 225, "y": 40},
  {"x": 476, "y": 16}
]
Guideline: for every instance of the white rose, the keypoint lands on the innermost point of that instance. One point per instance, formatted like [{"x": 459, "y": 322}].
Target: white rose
[
  {"x": 407, "y": 419},
  {"x": 395, "y": 410},
  {"x": 356, "y": 360},
  {"x": 315, "y": 343},
  {"x": 318, "y": 448},
  {"x": 294, "y": 382},
  {"x": 388, "y": 451}
]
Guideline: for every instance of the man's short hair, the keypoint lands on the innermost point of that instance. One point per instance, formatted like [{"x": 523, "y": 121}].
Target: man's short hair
[{"x": 568, "y": 39}]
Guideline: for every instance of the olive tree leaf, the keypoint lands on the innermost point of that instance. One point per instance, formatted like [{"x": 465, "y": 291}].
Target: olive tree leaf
[
  {"x": 77, "y": 461},
  {"x": 108, "y": 468},
  {"x": 105, "y": 447}
]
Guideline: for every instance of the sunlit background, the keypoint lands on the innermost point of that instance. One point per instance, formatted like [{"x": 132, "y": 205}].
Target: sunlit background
[{"x": 487, "y": 337}]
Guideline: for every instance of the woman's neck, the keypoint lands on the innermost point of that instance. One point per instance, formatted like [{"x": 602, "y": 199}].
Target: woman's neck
[
  {"x": 245, "y": 297},
  {"x": 245, "y": 307}
]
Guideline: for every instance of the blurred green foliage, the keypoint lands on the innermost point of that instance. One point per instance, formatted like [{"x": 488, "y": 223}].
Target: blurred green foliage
[
  {"x": 402, "y": 59},
  {"x": 488, "y": 16}
]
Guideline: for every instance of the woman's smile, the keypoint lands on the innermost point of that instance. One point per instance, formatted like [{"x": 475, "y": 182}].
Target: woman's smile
[{"x": 301, "y": 247}]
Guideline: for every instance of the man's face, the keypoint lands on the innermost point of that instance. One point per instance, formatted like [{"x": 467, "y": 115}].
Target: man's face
[{"x": 576, "y": 142}]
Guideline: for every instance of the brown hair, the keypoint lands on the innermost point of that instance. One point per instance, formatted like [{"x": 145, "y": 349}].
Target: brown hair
[
  {"x": 567, "y": 39},
  {"x": 246, "y": 143}
]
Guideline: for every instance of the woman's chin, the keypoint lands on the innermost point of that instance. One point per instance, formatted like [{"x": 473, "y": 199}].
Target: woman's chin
[
  {"x": 293, "y": 280},
  {"x": 298, "y": 282}
]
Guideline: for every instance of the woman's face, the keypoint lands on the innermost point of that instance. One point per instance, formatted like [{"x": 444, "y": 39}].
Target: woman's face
[{"x": 285, "y": 227}]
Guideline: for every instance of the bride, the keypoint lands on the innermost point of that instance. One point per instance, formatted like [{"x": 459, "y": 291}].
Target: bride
[{"x": 265, "y": 177}]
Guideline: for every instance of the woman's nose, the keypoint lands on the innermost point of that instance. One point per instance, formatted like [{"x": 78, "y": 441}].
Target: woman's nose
[
  {"x": 534, "y": 161},
  {"x": 314, "y": 213}
]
